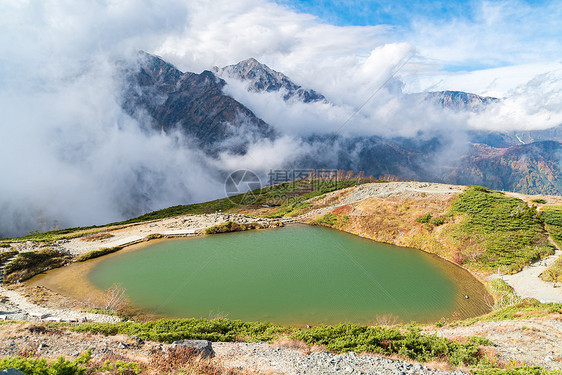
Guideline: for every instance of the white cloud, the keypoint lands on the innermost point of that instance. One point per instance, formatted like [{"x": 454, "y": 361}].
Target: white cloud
[{"x": 535, "y": 105}]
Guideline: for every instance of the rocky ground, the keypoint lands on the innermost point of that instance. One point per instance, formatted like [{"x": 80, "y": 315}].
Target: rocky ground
[
  {"x": 536, "y": 342},
  {"x": 260, "y": 358},
  {"x": 188, "y": 225}
]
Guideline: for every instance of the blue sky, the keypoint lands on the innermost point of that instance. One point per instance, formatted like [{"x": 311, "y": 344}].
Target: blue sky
[
  {"x": 503, "y": 33},
  {"x": 375, "y": 12},
  {"x": 399, "y": 13}
]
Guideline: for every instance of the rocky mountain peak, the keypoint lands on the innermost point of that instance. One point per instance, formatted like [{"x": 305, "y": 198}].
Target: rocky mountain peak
[{"x": 261, "y": 78}]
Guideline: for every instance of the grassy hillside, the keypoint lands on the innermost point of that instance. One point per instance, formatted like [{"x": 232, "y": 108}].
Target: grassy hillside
[
  {"x": 497, "y": 232},
  {"x": 479, "y": 229}
]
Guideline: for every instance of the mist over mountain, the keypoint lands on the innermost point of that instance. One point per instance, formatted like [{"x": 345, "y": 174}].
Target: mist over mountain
[
  {"x": 193, "y": 104},
  {"x": 459, "y": 100},
  {"x": 177, "y": 135},
  {"x": 260, "y": 78},
  {"x": 197, "y": 105}
]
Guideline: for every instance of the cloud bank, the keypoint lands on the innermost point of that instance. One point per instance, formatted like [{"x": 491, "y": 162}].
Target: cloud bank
[{"x": 71, "y": 156}]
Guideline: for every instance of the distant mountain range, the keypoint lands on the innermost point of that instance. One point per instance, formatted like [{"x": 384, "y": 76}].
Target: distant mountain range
[
  {"x": 166, "y": 99},
  {"x": 459, "y": 100}
]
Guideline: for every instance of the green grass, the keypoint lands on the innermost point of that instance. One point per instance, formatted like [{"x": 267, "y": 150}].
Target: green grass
[
  {"x": 56, "y": 235},
  {"x": 29, "y": 264},
  {"x": 98, "y": 253},
  {"x": 340, "y": 338},
  {"x": 62, "y": 366},
  {"x": 332, "y": 220},
  {"x": 552, "y": 217},
  {"x": 286, "y": 196},
  {"x": 424, "y": 219},
  {"x": 528, "y": 308},
  {"x": 40, "y": 366},
  {"x": 516, "y": 370},
  {"x": 503, "y": 293},
  {"x": 498, "y": 231},
  {"x": 554, "y": 272}
]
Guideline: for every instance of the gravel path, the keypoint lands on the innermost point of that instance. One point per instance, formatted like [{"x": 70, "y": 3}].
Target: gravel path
[
  {"x": 265, "y": 358},
  {"x": 14, "y": 306},
  {"x": 528, "y": 284}
]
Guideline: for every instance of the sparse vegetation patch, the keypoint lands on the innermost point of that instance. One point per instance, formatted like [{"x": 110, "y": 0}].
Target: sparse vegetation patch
[
  {"x": 29, "y": 264},
  {"x": 98, "y": 253},
  {"x": 5, "y": 255},
  {"x": 232, "y": 226},
  {"x": 332, "y": 220}
]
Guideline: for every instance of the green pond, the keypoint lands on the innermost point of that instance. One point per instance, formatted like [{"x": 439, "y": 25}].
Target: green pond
[{"x": 294, "y": 275}]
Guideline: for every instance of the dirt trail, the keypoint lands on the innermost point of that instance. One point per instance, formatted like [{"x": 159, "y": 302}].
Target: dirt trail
[{"x": 528, "y": 284}]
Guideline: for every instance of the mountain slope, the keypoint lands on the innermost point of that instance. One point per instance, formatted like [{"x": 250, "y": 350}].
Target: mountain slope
[
  {"x": 261, "y": 78},
  {"x": 531, "y": 169},
  {"x": 193, "y": 103}
]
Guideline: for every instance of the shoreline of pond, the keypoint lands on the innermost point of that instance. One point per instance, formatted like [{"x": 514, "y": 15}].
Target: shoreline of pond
[{"x": 73, "y": 280}]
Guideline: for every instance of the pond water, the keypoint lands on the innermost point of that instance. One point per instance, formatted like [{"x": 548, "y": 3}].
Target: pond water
[{"x": 295, "y": 275}]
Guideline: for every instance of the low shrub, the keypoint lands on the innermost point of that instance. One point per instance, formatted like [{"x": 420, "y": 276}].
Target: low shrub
[
  {"x": 40, "y": 366},
  {"x": 424, "y": 219},
  {"x": 98, "y": 253},
  {"x": 332, "y": 220},
  {"x": 494, "y": 231},
  {"x": 479, "y": 188},
  {"x": 232, "y": 226},
  {"x": 539, "y": 200},
  {"x": 437, "y": 221},
  {"x": 516, "y": 370},
  {"x": 554, "y": 272},
  {"x": 29, "y": 264},
  {"x": 5, "y": 255},
  {"x": 340, "y": 338},
  {"x": 153, "y": 236}
]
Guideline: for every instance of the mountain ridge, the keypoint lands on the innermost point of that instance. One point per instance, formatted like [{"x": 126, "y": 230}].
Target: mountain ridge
[
  {"x": 261, "y": 78},
  {"x": 193, "y": 103}
]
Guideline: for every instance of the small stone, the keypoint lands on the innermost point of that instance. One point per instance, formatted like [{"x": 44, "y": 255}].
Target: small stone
[
  {"x": 202, "y": 347},
  {"x": 138, "y": 339},
  {"x": 122, "y": 345},
  {"x": 11, "y": 371}
]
